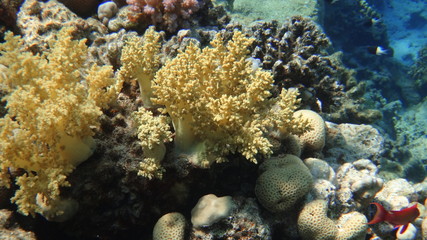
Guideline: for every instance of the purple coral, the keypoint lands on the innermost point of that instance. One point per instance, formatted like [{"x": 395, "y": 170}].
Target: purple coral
[{"x": 167, "y": 14}]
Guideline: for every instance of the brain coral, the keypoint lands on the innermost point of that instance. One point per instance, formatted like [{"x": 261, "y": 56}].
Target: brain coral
[
  {"x": 314, "y": 139},
  {"x": 352, "y": 226},
  {"x": 314, "y": 224},
  {"x": 282, "y": 181},
  {"x": 170, "y": 226}
]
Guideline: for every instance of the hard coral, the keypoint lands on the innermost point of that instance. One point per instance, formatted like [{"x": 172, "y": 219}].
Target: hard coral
[
  {"x": 314, "y": 223},
  {"x": 282, "y": 182},
  {"x": 53, "y": 103},
  {"x": 314, "y": 139},
  {"x": 419, "y": 70},
  {"x": 296, "y": 53},
  {"x": 170, "y": 226},
  {"x": 219, "y": 103},
  {"x": 167, "y": 14}
]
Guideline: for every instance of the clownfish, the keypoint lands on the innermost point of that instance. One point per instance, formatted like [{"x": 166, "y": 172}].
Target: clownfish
[{"x": 399, "y": 219}]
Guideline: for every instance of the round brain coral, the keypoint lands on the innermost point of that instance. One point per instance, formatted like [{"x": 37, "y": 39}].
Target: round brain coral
[
  {"x": 314, "y": 224},
  {"x": 352, "y": 226},
  {"x": 282, "y": 181},
  {"x": 170, "y": 226},
  {"x": 313, "y": 139}
]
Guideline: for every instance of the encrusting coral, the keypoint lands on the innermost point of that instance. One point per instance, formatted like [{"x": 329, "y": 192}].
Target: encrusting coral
[
  {"x": 53, "y": 103},
  {"x": 220, "y": 103}
]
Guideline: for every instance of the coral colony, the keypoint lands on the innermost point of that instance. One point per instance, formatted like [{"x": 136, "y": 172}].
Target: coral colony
[
  {"x": 173, "y": 120},
  {"x": 169, "y": 14}
]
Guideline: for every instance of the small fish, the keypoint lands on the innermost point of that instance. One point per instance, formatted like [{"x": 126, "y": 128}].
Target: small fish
[
  {"x": 377, "y": 50},
  {"x": 371, "y": 22},
  {"x": 396, "y": 218}
]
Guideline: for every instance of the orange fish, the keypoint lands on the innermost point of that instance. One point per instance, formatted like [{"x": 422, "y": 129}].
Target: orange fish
[{"x": 396, "y": 218}]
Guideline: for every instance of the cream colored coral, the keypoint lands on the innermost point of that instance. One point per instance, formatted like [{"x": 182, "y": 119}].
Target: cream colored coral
[
  {"x": 352, "y": 226},
  {"x": 314, "y": 224},
  {"x": 219, "y": 104},
  {"x": 282, "y": 182},
  {"x": 424, "y": 228},
  {"x": 313, "y": 139},
  {"x": 210, "y": 209},
  {"x": 140, "y": 61},
  {"x": 54, "y": 100},
  {"x": 60, "y": 211},
  {"x": 153, "y": 132},
  {"x": 170, "y": 226}
]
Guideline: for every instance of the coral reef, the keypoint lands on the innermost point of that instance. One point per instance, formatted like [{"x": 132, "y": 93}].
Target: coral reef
[
  {"x": 141, "y": 60},
  {"x": 324, "y": 180},
  {"x": 106, "y": 11},
  {"x": 107, "y": 49},
  {"x": 10, "y": 228},
  {"x": 211, "y": 209},
  {"x": 358, "y": 184},
  {"x": 170, "y": 226},
  {"x": 350, "y": 142},
  {"x": 245, "y": 222},
  {"x": 419, "y": 69},
  {"x": 167, "y": 15},
  {"x": 352, "y": 226},
  {"x": 296, "y": 53},
  {"x": 314, "y": 223},
  {"x": 313, "y": 139},
  {"x": 282, "y": 182},
  {"x": 51, "y": 116},
  {"x": 226, "y": 107},
  {"x": 40, "y": 22},
  {"x": 396, "y": 194},
  {"x": 153, "y": 132},
  {"x": 411, "y": 130}
]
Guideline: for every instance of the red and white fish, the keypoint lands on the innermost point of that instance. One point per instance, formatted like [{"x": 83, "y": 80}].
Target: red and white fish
[{"x": 399, "y": 219}]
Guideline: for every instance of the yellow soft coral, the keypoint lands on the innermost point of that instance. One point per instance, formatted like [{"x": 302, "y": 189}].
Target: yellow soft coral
[
  {"x": 153, "y": 132},
  {"x": 53, "y": 103},
  {"x": 220, "y": 103},
  {"x": 141, "y": 60}
]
